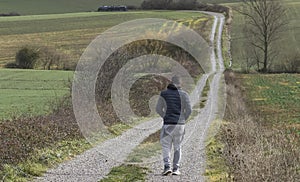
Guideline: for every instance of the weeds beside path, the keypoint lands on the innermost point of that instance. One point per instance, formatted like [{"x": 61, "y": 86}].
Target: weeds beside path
[{"x": 254, "y": 150}]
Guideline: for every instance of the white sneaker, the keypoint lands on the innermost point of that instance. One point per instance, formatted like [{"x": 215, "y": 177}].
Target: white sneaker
[
  {"x": 176, "y": 172},
  {"x": 167, "y": 171}
]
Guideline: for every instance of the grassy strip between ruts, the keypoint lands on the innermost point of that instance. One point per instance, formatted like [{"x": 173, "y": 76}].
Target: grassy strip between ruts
[{"x": 126, "y": 173}]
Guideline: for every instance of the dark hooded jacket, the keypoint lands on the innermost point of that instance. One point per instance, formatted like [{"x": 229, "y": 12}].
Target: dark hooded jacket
[{"x": 174, "y": 106}]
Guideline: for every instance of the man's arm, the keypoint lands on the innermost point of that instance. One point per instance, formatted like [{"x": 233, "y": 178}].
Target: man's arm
[{"x": 161, "y": 106}]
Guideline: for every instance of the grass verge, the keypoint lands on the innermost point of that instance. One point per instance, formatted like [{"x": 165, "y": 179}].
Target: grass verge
[
  {"x": 42, "y": 159},
  {"x": 216, "y": 169}
]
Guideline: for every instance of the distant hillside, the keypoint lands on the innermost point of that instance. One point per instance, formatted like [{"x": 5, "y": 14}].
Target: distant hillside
[{"x": 31, "y": 7}]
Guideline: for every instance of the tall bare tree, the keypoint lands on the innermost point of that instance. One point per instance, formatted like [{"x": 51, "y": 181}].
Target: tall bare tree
[{"x": 264, "y": 20}]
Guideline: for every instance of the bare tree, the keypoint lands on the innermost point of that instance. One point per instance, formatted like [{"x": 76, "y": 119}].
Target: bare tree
[
  {"x": 265, "y": 20},
  {"x": 49, "y": 58}
]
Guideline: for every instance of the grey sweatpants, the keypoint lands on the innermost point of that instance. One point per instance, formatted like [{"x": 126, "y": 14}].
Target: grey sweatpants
[{"x": 171, "y": 135}]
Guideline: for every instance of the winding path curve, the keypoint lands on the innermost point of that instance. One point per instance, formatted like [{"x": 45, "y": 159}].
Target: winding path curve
[
  {"x": 193, "y": 158},
  {"x": 97, "y": 162}
]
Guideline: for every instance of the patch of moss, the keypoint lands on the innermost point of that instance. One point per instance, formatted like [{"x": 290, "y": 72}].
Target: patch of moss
[{"x": 144, "y": 151}]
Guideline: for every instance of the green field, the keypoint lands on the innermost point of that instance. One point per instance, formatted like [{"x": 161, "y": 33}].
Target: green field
[
  {"x": 287, "y": 46},
  {"x": 276, "y": 97},
  {"x": 30, "y": 92}
]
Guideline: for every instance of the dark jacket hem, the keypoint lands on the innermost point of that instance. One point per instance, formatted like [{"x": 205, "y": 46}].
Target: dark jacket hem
[{"x": 172, "y": 123}]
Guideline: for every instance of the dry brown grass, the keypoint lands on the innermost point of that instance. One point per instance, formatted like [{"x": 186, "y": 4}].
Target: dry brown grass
[
  {"x": 19, "y": 138},
  {"x": 255, "y": 151}
]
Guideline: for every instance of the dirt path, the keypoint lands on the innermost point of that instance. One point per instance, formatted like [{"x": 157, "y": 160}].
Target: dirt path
[
  {"x": 193, "y": 154},
  {"x": 97, "y": 162}
]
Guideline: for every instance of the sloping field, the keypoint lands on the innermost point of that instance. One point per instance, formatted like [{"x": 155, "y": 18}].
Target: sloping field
[
  {"x": 27, "y": 92},
  {"x": 66, "y": 33},
  {"x": 69, "y": 34},
  {"x": 275, "y": 96}
]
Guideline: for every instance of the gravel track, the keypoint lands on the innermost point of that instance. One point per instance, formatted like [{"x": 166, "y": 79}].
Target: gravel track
[
  {"x": 193, "y": 152},
  {"x": 94, "y": 164},
  {"x": 97, "y": 162}
]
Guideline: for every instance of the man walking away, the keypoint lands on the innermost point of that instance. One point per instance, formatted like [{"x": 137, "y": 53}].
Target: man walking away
[{"x": 175, "y": 108}]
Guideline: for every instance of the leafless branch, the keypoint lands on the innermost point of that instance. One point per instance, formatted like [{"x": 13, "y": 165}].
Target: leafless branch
[{"x": 265, "y": 20}]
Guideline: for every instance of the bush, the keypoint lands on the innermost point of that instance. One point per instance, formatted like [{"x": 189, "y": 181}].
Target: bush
[
  {"x": 11, "y": 65},
  {"x": 215, "y": 8},
  {"x": 26, "y": 58},
  {"x": 49, "y": 58},
  {"x": 68, "y": 66},
  {"x": 290, "y": 65}
]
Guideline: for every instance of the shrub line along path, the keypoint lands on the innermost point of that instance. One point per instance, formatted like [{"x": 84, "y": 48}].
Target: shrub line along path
[{"x": 94, "y": 164}]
